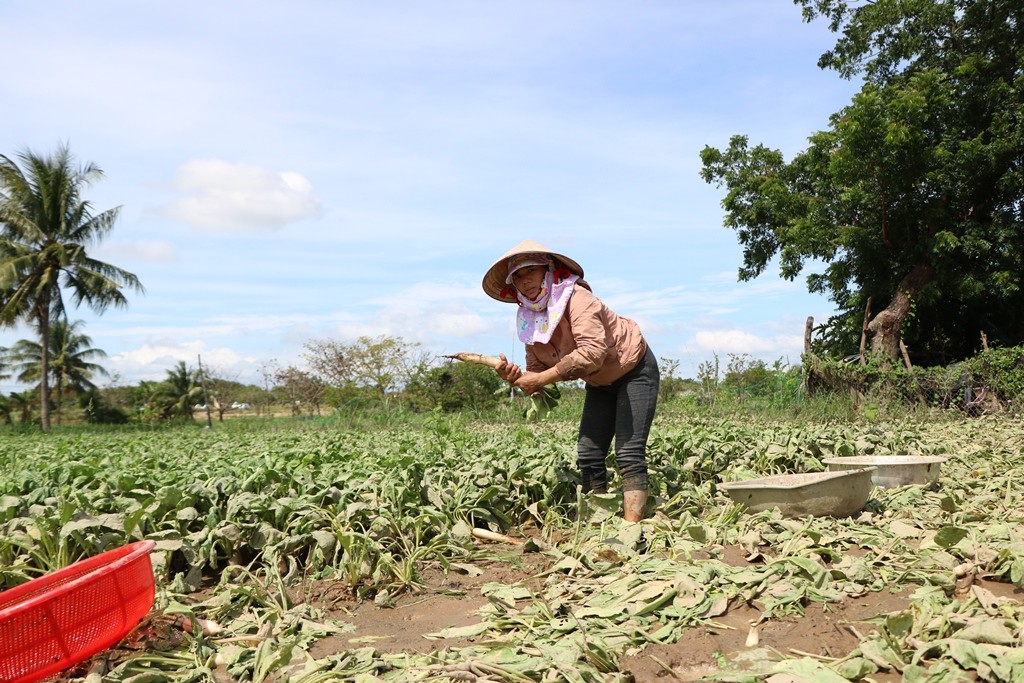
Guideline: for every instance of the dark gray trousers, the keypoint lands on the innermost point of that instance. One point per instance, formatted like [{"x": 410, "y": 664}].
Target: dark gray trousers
[{"x": 623, "y": 410}]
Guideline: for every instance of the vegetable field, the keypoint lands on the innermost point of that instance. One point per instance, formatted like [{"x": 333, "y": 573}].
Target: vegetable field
[{"x": 298, "y": 553}]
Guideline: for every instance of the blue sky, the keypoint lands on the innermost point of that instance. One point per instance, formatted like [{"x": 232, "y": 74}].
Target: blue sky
[{"x": 330, "y": 169}]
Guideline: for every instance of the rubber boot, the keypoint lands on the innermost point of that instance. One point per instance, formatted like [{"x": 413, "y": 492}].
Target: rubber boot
[{"x": 634, "y": 504}]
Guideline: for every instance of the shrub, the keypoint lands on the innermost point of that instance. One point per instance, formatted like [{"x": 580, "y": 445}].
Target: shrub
[
  {"x": 96, "y": 411},
  {"x": 454, "y": 387}
]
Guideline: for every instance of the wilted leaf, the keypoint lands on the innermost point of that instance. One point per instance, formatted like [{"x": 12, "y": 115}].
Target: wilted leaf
[
  {"x": 987, "y": 631},
  {"x": 467, "y": 569},
  {"x": 504, "y": 595},
  {"x": 601, "y": 612},
  {"x": 599, "y": 507},
  {"x": 86, "y": 522},
  {"x": 325, "y": 540},
  {"x": 855, "y": 668},
  {"x": 459, "y": 631},
  {"x": 805, "y": 670},
  {"x": 880, "y": 654},
  {"x": 462, "y": 531},
  {"x": 904, "y": 530}
]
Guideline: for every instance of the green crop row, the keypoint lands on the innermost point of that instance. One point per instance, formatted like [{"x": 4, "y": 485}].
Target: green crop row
[{"x": 239, "y": 517}]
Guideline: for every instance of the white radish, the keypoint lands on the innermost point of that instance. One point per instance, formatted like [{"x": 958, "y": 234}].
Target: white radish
[
  {"x": 488, "y": 535},
  {"x": 209, "y": 627},
  {"x": 476, "y": 358}
]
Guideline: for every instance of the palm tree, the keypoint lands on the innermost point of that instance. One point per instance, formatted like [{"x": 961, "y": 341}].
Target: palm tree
[
  {"x": 46, "y": 228},
  {"x": 179, "y": 392},
  {"x": 23, "y": 402},
  {"x": 5, "y": 363},
  {"x": 70, "y": 355}
]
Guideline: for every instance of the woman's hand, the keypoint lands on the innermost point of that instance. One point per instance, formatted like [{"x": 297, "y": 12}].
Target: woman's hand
[
  {"x": 510, "y": 372},
  {"x": 531, "y": 382}
]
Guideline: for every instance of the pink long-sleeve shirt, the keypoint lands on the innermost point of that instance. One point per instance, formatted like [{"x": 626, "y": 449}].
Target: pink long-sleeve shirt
[{"x": 591, "y": 342}]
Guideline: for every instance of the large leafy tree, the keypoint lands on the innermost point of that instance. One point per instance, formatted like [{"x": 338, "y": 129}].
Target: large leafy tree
[
  {"x": 913, "y": 198},
  {"x": 47, "y": 229},
  {"x": 70, "y": 364}
]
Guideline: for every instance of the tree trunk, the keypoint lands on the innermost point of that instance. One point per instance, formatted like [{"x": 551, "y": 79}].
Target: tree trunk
[
  {"x": 43, "y": 313},
  {"x": 59, "y": 393},
  {"x": 886, "y": 327},
  {"x": 864, "y": 331}
]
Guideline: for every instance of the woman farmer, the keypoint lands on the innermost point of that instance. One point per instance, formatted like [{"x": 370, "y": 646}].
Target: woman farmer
[{"x": 571, "y": 334}]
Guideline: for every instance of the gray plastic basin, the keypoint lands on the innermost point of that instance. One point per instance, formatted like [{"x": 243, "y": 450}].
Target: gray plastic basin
[
  {"x": 822, "y": 494},
  {"x": 893, "y": 470}
]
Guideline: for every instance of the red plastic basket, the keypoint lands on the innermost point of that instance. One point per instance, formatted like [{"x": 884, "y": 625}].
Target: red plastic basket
[{"x": 60, "y": 619}]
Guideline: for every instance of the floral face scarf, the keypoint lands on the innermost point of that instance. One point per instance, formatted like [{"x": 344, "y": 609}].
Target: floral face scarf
[{"x": 536, "y": 320}]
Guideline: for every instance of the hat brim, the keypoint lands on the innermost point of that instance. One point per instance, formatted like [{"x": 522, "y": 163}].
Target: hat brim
[{"x": 494, "y": 278}]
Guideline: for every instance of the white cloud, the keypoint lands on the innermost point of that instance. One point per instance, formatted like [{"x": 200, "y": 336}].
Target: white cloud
[
  {"x": 226, "y": 197},
  {"x": 710, "y": 296},
  {"x": 148, "y": 251},
  {"x": 152, "y": 361},
  {"x": 725, "y": 343},
  {"x": 414, "y": 321},
  {"x": 423, "y": 312}
]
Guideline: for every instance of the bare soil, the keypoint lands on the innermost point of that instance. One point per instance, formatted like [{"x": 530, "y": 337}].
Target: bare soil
[
  {"x": 829, "y": 630},
  {"x": 825, "y": 630},
  {"x": 446, "y": 601}
]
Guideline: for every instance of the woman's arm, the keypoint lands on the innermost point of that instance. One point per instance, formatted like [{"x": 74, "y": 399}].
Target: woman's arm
[{"x": 532, "y": 382}]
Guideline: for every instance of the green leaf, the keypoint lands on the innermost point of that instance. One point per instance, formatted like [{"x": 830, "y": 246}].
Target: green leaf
[
  {"x": 899, "y": 624},
  {"x": 949, "y": 536},
  {"x": 598, "y": 507}
]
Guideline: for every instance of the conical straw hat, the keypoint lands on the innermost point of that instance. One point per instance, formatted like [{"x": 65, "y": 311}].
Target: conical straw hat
[{"x": 494, "y": 279}]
